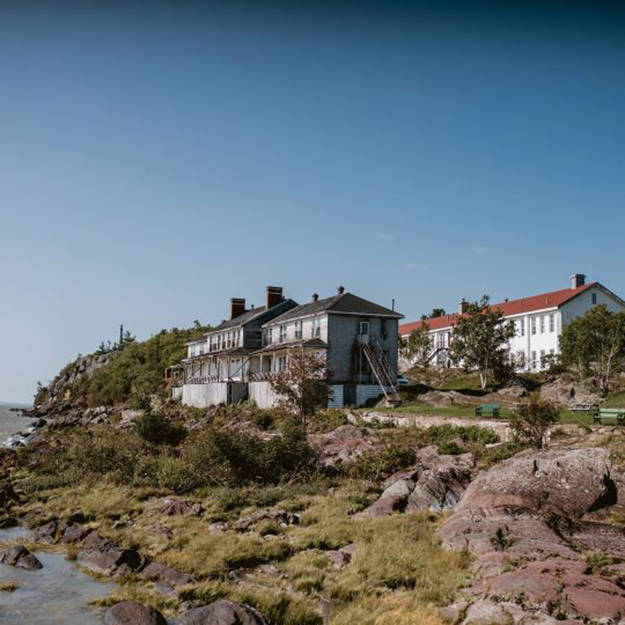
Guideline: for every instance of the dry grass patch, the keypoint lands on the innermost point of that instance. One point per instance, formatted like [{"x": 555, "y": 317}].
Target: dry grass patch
[{"x": 393, "y": 609}]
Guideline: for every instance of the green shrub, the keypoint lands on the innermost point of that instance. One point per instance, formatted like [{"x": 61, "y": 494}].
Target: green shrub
[
  {"x": 532, "y": 419},
  {"x": 158, "y": 429},
  {"x": 377, "y": 465},
  {"x": 450, "y": 448}
]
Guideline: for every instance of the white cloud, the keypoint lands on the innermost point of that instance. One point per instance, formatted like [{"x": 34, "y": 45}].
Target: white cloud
[
  {"x": 480, "y": 249},
  {"x": 384, "y": 237}
]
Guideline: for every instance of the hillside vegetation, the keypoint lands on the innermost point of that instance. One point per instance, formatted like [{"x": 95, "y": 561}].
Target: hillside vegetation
[{"x": 120, "y": 376}]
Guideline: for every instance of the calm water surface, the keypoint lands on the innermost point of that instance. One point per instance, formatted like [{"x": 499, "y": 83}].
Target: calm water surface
[
  {"x": 11, "y": 422},
  {"x": 57, "y": 594}
]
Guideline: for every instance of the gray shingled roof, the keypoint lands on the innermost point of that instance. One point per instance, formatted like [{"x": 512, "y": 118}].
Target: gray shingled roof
[
  {"x": 342, "y": 303},
  {"x": 242, "y": 319},
  {"x": 246, "y": 317}
]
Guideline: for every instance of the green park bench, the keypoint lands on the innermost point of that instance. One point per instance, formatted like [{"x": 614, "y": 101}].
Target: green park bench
[
  {"x": 487, "y": 410},
  {"x": 610, "y": 414},
  {"x": 587, "y": 409}
]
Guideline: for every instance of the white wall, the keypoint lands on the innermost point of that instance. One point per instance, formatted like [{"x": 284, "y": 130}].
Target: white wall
[
  {"x": 583, "y": 302},
  {"x": 262, "y": 395},
  {"x": 213, "y": 393},
  {"x": 204, "y": 395}
]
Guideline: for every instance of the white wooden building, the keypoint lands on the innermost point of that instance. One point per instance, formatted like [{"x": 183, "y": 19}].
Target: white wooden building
[
  {"x": 236, "y": 359},
  {"x": 538, "y": 320}
]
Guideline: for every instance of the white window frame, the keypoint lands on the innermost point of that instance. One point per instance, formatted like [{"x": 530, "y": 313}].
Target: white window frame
[
  {"x": 533, "y": 325},
  {"x": 315, "y": 329},
  {"x": 364, "y": 328},
  {"x": 299, "y": 329},
  {"x": 552, "y": 323},
  {"x": 542, "y": 324},
  {"x": 282, "y": 333}
]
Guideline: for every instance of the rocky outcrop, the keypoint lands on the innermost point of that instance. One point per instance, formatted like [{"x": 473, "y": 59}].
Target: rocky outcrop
[
  {"x": 528, "y": 522},
  {"x": 280, "y": 517},
  {"x": 445, "y": 398},
  {"x": 436, "y": 483},
  {"x": 101, "y": 555},
  {"x": 133, "y": 613},
  {"x": 177, "y": 507},
  {"x": 166, "y": 580},
  {"x": 20, "y": 557},
  {"x": 341, "y": 557},
  {"x": 223, "y": 613},
  {"x": 59, "y": 390},
  {"x": 344, "y": 445},
  {"x": 568, "y": 393}
]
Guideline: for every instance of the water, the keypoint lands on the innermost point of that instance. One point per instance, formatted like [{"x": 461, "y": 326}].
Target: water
[
  {"x": 57, "y": 594},
  {"x": 11, "y": 422}
]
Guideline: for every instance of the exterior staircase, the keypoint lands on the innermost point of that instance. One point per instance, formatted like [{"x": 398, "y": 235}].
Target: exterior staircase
[{"x": 380, "y": 367}]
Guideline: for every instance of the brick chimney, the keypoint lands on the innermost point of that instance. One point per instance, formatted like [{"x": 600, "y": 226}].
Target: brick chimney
[
  {"x": 237, "y": 306},
  {"x": 577, "y": 280},
  {"x": 273, "y": 296},
  {"x": 462, "y": 306}
]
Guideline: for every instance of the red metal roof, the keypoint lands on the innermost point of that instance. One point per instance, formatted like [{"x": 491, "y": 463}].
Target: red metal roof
[{"x": 511, "y": 307}]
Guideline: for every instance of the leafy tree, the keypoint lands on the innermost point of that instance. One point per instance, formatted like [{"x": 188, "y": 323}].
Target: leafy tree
[
  {"x": 303, "y": 384},
  {"x": 417, "y": 347},
  {"x": 480, "y": 340},
  {"x": 532, "y": 419},
  {"x": 436, "y": 312},
  {"x": 594, "y": 345}
]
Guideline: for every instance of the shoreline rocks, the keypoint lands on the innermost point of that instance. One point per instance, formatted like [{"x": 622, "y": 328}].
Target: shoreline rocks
[
  {"x": 528, "y": 522},
  {"x": 19, "y": 557},
  {"x": 436, "y": 483},
  {"x": 133, "y": 613}
]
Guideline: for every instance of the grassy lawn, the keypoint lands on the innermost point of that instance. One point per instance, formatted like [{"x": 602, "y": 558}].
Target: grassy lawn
[
  {"x": 614, "y": 400},
  {"x": 566, "y": 416}
]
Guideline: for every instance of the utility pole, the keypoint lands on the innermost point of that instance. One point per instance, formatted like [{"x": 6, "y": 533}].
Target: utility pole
[{"x": 121, "y": 336}]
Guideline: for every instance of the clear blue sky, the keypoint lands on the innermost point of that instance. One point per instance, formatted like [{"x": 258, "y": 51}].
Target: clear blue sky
[{"x": 155, "y": 162}]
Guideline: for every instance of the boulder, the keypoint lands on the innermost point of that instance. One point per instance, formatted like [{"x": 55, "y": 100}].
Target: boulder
[
  {"x": 442, "y": 399},
  {"x": 344, "y": 444},
  {"x": 177, "y": 507},
  {"x": 436, "y": 483},
  {"x": 568, "y": 393},
  {"x": 133, "y": 613},
  {"x": 7, "y": 495},
  {"x": 567, "y": 482},
  {"x": 46, "y": 533},
  {"x": 442, "y": 481},
  {"x": 281, "y": 517},
  {"x": 8, "y": 521},
  {"x": 522, "y": 520},
  {"x": 393, "y": 499},
  {"x": 103, "y": 556},
  {"x": 341, "y": 557},
  {"x": 20, "y": 557},
  {"x": 157, "y": 572},
  {"x": 223, "y": 613}
]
